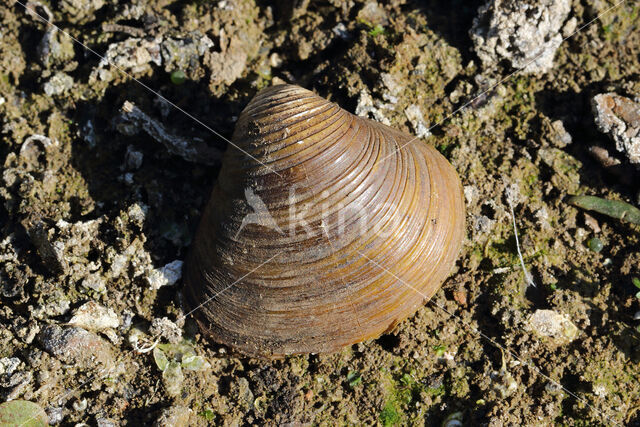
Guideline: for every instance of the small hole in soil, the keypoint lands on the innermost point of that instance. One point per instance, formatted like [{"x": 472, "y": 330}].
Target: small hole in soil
[
  {"x": 224, "y": 385},
  {"x": 93, "y": 255},
  {"x": 389, "y": 342},
  {"x": 488, "y": 211}
]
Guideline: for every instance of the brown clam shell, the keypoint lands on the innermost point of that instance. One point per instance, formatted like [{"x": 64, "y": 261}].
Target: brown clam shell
[{"x": 348, "y": 229}]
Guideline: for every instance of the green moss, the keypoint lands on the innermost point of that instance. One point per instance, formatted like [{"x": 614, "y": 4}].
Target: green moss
[
  {"x": 440, "y": 349},
  {"x": 207, "y": 414},
  {"x": 389, "y": 415},
  {"x": 377, "y": 31}
]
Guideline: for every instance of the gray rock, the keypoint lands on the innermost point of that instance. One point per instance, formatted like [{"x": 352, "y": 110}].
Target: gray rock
[
  {"x": 8, "y": 365},
  {"x": 53, "y": 304},
  {"x": 242, "y": 390},
  {"x": 372, "y": 110},
  {"x": 549, "y": 323},
  {"x": 106, "y": 422},
  {"x": 175, "y": 416},
  {"x": 13, "y": 378},
  {"x": 165, "y": 328},
  {"x": 133, "y": 158},
  {"x": 58, "y": 84},
  {"x": 138, "y": 55},
  {"x": 63, "y": 246},
  {"x": 165, "y": 276},
  {"x": 51, "y": 252},
  {"x": 77, "y": 346},
  {"x": 524, "y": 32},
  {"x": 133, "y": 55},
  {"x": 481, "y": 224},
  {"x": 95, "y": 282},
  {"x": 340, "y": 30},
  {"x": 619, "y": 117},
  {"x": 11, "y": 269},
  {"x": 134, "y": 119},
  {"x": 55, "y": 48},
  {"x": 373, "y": 14},
  {"x": 185, "y": 53},
  {"x": 94, "y": 317},
  {"x": 137, "y": 213},
  {"x": 559, "y": 136},
  {"x": 420, "y": 127},
  {"x": 55, "y": 415}
]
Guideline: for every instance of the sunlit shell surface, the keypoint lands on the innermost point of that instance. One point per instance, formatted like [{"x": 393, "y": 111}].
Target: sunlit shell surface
[{"x": 327, "y": 230}]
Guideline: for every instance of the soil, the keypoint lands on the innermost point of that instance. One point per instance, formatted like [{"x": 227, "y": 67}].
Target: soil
[{"x": 93, "y": 207}]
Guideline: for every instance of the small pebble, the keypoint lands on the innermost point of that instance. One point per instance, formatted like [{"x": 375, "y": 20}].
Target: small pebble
[
  {"x": 80, "y": 405},
  {"x": 274, "y": 60},
  {"x": 549, "y": 323},
  {"x": 420, "y": 127},
  {"x": 93, "y": 316},
  {"x": 595, "y": 244},
  {"x": 340, "y": 30},
  {"x": 177, "y": 416},
  {"x": 106, "y": 422},
  {"x": 178, "y": 77},
  {"x": 525, "y": 33},
  {"x": 58, "y": 84},
  {"x": 137, "y": 213},
  {"x": 460, "y": 296},
  {"x": 77, "y": 346},
  {"x": 55, "y": 416},
  {"x": 165, "y": 328},
  {"x": 619, "y": 117},
  {"x": 132, "y": 158},
  {"x": 8, "y": 365},
  {"x": 165, "y": 276},
  {"x": 591, "y": 222}
]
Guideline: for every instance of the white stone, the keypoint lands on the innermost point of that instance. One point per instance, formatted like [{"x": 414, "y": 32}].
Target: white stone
[
  {"x": 165, "y": 276},
  {"x": 524, "y": 32},
  {"x": 93, "y": 316},
  {"x": 619, "y": 117},
  {"x": 549, "y": 323},
  {"x": 58, "y": 84},
  {"x": 8, "y": 365},
  {"x": 414, "y": 114}
]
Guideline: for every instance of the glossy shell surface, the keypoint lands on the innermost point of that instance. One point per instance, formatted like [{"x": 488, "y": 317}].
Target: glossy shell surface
[{"x": 323, "y": 230}]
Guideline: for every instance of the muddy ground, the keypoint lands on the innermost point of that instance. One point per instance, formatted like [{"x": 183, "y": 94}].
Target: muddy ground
[{"x": 93, "y": 208}]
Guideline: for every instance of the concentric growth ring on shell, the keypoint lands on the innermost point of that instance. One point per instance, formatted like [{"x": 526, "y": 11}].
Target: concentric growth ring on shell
[{"x": 338, "y": 196}]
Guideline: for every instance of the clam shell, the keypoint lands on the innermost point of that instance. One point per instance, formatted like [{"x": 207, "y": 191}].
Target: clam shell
[{"x": 329, "y": 229}]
